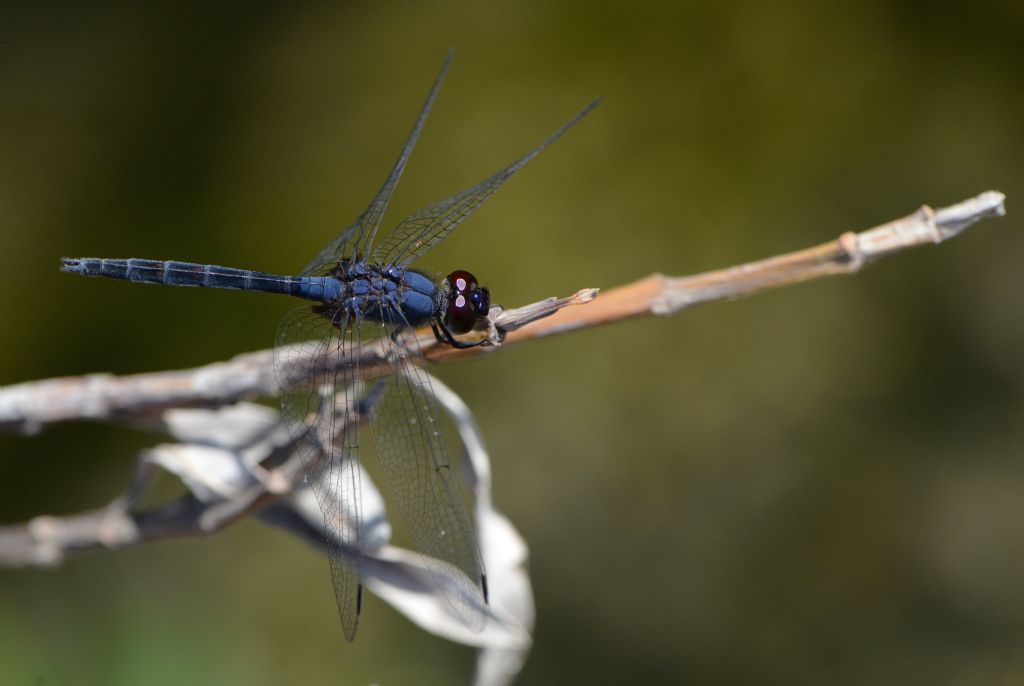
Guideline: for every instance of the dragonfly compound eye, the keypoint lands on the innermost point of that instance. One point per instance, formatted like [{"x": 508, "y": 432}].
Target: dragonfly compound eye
[
  {"x": 466, "y": 302},
  {"x": 481, "y": 299}
]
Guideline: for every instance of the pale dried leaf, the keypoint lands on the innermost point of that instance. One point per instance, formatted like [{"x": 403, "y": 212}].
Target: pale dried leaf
[{"x": 211, "y": 473}]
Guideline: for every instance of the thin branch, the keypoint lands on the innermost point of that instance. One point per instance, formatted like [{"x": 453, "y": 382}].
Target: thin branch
[
  {"x": 237, "y": 460},
  {"x": 667, "y": 295},
  {"x": 46, "y": 540},
  {"x": 28, "y": 407}
]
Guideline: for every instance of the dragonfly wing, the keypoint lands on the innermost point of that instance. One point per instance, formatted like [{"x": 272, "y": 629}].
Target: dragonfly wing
[
  {"x": 415, "y": 464},
  {"x": 358, "y": 239},
  {"x": 423, "y": 230},
  {"x": 329, "y": 257},
  {"x": 319, "y": 402}
]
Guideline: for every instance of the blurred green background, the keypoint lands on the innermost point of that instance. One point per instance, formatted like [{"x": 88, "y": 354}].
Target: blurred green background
[{"x": 818, "y": 485}]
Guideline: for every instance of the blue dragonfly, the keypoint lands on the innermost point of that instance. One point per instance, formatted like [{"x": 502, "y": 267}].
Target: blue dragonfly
[{"x": 364, "y": 289}]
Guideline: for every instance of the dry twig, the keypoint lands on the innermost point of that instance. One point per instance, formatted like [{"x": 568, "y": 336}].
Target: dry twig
[{"x": 28, "y": 407}]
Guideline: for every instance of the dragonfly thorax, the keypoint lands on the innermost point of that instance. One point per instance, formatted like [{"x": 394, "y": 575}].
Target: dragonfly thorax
[
  {"x": 405, "y": 296},
  {"x": 401, "y": 296}
]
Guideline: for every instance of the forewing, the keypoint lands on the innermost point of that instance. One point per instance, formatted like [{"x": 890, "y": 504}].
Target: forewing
[
  {"x": 358, "y": 238},
  {"x": 423, "y": 230},
  {"x": 415, "y": 464},
  {"x": 329, "y": 257},
  {"x": 317, "y": 400}
]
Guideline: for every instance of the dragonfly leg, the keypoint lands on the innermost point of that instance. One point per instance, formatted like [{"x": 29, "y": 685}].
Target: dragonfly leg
[{"x": 443, "y": 335}]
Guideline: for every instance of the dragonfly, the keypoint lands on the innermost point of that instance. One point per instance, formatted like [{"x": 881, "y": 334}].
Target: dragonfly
[{"x": 364, "y": 290}]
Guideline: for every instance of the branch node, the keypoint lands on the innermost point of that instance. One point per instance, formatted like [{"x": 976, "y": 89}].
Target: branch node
[
  {"x": 854, "y": 259},
  {"x": 116, "y": 529},
  {"x": 43, "y": 530}
]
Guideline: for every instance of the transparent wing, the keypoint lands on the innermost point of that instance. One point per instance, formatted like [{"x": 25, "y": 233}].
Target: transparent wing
[
  {"x": 316, "y": 402},
  {"x": 328, "y": 258},
  {"x": 423, "y": 230},
  {"x": 358, "y": 238},
  {"x": 415, "y": 463}
]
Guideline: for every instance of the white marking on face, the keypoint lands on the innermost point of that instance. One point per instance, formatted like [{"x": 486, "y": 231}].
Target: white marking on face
[
  {"x": 460, "y": 301},
  {"x": 460, "y": 284}
]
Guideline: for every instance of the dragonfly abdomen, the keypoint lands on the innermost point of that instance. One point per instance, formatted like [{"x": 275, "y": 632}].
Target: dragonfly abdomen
[{"x": 190, "y": 274}]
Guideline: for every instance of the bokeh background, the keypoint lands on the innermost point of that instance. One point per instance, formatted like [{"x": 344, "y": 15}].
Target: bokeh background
[{"x": 818, "y": 485}]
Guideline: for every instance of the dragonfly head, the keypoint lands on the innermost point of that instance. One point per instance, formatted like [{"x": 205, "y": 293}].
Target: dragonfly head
[{"x": 467, "y": 302}]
